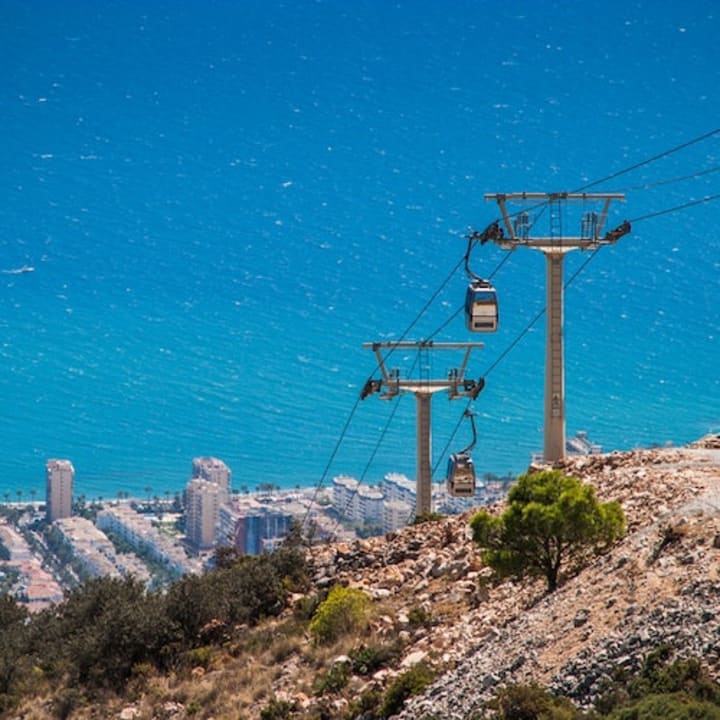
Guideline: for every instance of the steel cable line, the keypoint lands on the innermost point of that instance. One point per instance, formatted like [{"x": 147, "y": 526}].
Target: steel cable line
[
  {"x": 343, "y": 432},
  {"x": 670, "y": 181},
  {"x": 567, "y": 284},
  {"x": 652, "y": 159},
  {"x": 542, "y": 205},
  {"x": 677, "y": 148},
  {"x": 691, "y": 203},
  {"x": 385, "y": 429}
]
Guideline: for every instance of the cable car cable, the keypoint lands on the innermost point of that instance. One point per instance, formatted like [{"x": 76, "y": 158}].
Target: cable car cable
[
  {"x": 652, "y": 159},
  {"x": 594, "y": 183},
  {"x": 670, "y": 181},
  {"x": 707, "y": 198},
  {"x": 391, "y": 416},
  {"x": 577, "y": 272},
  {"x": 635, "y": 166},
  {"x": 361, "y": 396}
]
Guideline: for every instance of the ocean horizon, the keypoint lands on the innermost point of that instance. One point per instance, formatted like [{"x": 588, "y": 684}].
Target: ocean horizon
[{"x": 210, "y": 207}]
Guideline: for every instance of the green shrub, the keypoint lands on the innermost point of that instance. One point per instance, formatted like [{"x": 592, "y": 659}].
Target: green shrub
[
  {"x": 367, "y": 659},
  {"x": 667, "y": 707},
  {"x": 685, "y": 678},
  {"x": 531, "y": 702},
  {"x": 419, "y": 617},
  {"x": 276, "y": 710},
  {"x": 100, "y": 632},
  {"x": 411, "y": 682},
  {"x": 367, "y": 706},
  {"x": 334, "y": 680},
  {"x": 307, "y": 605},
  {"x": 427, "y": 517},
  {"x": 346, "y": 610},
  {"x": 199, "y": 657}
]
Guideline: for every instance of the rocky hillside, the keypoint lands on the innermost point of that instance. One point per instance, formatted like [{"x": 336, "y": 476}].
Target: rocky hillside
[
  {"x": 661, "y": 584},
  {"x": 436, "y": 606}
]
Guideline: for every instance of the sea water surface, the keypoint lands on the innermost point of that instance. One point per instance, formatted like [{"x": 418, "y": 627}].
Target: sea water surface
[{"x": 208, "y": 207}]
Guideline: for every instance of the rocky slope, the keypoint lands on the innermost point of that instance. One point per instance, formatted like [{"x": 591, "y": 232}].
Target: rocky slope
[{"x": 659, "y": 585}]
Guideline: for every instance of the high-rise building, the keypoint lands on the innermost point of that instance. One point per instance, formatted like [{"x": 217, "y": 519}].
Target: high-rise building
[
  {"x": 213, "y": 470},
  {"x": 59, "y": 479},
  {"x": 202, "y": 502}
]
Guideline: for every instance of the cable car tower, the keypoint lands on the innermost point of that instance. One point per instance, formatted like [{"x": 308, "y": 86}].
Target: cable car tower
[
  {"x": 517, "y": 232},
  {"x": 390, "y": 385}
]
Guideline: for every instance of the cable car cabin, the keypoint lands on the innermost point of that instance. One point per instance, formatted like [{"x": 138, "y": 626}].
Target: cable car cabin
[
  {"x": 481, "y": 307},
  {"x": 460, "y": 475}
]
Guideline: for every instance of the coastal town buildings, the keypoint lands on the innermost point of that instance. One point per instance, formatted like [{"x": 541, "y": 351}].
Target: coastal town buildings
[
  {"x": 94, "y": 554},
  {"x": 147, "y": 541},
  {"x": 35, "y": 588},
  {"x": 356, "y": 502},
  {"x": 396, "y": 515},
  {"x": 139, "y": 531},
  {"x": 392, "y": 504},
  {"x": 207, "y": 490},
  {"x": 59, "y": 480}
]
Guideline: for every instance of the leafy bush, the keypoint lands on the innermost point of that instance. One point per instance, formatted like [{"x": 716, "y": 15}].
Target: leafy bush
[
  {"x": 531, "y": 702},
  {"x": 276, "y": 710},
  {"x": 683, "y": 679},
  {"x": 13, "y": 636},
  {"x": 427, "y": 517},
  {"x": 103, "y": 629},
  {"x": 411, "y": 682},
  {"x": 419, "y": 617},
  {"x": 367, "y": 706},
  {"x": 306, "y": 606},
  {"x": 334, "y": 680},
  {"x": 344, "y": 611},
  {"x": 244, "y": 589},
  {"x": 667, "y": 707},
  {"x": 367, "y": 659}
]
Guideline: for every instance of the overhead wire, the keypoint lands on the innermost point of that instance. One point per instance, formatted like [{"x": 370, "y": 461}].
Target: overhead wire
[
  {"x": 333, "y": 455},
  {"x": 514, "y": 343},
  {"x": 671, "y": 181},
  {"x": 654, "y": 158},
  {"x": 633, "y": 221},
  {"x": 676, "y": 208},
  {"x": 386, "y": 427}
]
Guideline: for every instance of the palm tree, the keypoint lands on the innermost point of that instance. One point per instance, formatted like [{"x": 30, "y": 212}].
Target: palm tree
[
  {"x": 19, "y": 494},
  {"x": 7, "y": 497}
]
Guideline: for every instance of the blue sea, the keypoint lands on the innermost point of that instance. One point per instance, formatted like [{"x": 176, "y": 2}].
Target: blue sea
[{"x": 216, "y": 203}]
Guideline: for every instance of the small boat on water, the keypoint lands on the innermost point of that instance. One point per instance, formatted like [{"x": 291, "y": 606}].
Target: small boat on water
[{"x": 20, "y": 270}]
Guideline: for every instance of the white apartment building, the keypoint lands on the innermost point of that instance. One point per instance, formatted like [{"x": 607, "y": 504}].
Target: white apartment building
[
  {"x": 370, "y": 504},
  {"x": 397, "y": 514},
  {"x": 95, "y": 553},
  {"x": 345, "y": 496},
  {"x": 396, "y": 486},
  {"x": 59, "y": 479}
]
